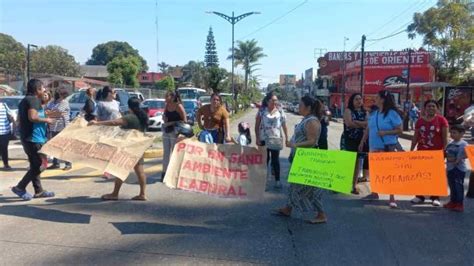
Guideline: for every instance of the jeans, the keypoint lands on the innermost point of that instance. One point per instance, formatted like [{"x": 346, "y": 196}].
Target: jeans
[
  {"x": 456, "y": 185},
  {"x": 33, "y": 175},
  {"x": 275, "y": 163},
  {"x": 169, "y": 140},
  {"x": 4, "y": 140},
  {"x": 56, "y": 161},
  {"x": 209, "y": 136}
]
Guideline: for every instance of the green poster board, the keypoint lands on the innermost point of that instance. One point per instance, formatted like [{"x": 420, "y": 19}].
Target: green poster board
[{"x": 328, "y": 169}]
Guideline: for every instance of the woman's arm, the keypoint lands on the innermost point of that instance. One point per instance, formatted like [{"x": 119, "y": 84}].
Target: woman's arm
[
  {"x": 227, "y": 129},
  {"x": 115, "y": 122},
  {"x": 313, "y": 129},
  {"x": 348, "y": 119},
  {"x": 285, "y": 131},
  {"x": 414, "y": 141},
  {"x": 182, "y": 113},
  {"x": 444, "y": 134},
  {"x": 198, "y": 118},
  {"x": 396, "y": 131},
  {"x": 364, "y": 139}
]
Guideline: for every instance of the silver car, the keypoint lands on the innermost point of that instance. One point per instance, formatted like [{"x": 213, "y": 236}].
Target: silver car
[{"x": 12, "y": 102}]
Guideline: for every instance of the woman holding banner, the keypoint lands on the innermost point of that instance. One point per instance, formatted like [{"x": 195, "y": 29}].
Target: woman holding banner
[
  {"x": 269, "y": 123},
  {"x": 213, "y": 120},
  {"x": 136, "y": 119},
  {"x": 306, "y": 135},
  {"x": 431, "y": 133},
  {"x": 355, "y": 122},
  {"x": 383, "y": 129},
  {"x": 174, "y": 113}
]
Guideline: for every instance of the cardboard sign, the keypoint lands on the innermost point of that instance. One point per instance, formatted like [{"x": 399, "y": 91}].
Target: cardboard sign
[
  {"x": 108, "y": 149},
  {"x": 332, "y": 170},
  {"x": 470, "y": 154},
  {"x": 408, "y": 173},
  {"x": 229, "y": 171}
]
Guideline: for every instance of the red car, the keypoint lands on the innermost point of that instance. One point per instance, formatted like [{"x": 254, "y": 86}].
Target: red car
[{"x": 154, "y": 106}]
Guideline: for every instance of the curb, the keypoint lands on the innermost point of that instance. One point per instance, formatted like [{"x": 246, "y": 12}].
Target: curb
[{"x": 153, "y": 153}]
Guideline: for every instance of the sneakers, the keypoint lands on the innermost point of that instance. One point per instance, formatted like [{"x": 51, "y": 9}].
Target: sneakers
[
  {"x": 372, "y": 196},
  {"x": 7, "y": 168},
  {"x": 459, "y": 207},
  {"x": 278, "y": 185},
  {"x": 22, "y": 193},
  {"x": 54, "y": 166},
  {"x": 393, "y": 205},
  {"x": 436, "y": 203},
  {"x": 417, "y": 200},
  {"x": 67, "y": 167}
]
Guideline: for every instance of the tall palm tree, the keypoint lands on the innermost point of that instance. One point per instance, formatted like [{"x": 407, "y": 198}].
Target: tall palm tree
[{"x": 247, "y": 54}]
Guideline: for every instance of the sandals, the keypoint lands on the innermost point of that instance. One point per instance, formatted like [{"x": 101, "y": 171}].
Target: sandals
[
  {"x": 108, "y": 197},
  {"x": 280, "y": 212},
  {"x": 139, "y": 198},
  {"x": 317, "y": 221},
  {"x": 44, "y": 194},
  {"x": 22, "y": 193}
]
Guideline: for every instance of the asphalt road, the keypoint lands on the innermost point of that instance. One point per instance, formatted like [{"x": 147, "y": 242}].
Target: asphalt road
[{"x": 176, "y": 227}]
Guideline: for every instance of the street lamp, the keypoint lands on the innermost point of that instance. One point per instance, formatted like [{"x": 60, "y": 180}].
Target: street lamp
[
  {"x": 28, "y": 61},
  {"x": 233, "y": 20}
]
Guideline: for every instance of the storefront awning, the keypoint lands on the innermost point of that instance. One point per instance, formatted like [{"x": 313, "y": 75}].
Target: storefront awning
[{"x": 429, "y": 85}]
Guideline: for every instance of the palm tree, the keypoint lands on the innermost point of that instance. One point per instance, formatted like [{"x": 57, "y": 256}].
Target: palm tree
[{"x": 247, "y": 54}]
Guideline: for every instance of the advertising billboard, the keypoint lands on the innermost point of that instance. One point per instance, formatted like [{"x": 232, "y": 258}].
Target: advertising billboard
[{"x": 287, "y": 79}]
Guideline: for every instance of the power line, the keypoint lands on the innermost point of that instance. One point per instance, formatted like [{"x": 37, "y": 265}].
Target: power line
[
  {"x": 399, "y": 15},
  {"x": 386, "y": 37},
  {"x": 275, "y": 20}
]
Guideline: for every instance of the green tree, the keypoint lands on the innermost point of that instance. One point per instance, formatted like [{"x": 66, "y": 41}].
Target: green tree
[
  {"x": 12, "y": 54},
  {"x": 163, "y": 67},
  {"x": 166, "y": 83},
  {"x": 448, "y": 29},
  {"x": 124, "y": 70},
  {"x": 215, "y": 76},
  {"x": 247, "y": 54},
  {"x": 210, "y": 58},
  {"x": 195, "y": 72},
  {"x": 104, "y": 53},
  {"x": 54, "y": 59}
]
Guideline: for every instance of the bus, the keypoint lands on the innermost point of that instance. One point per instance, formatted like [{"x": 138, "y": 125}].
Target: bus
[{"x": 191, "y": 93}]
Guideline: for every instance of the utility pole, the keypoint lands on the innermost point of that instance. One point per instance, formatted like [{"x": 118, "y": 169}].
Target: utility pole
[
  {"x": 343, "y": 98},
  {"x": 28, "y": 58},
  {"x": 406, "y": 106},
  {"x": 233, "y": 20},
  {"x": 362, "y": 67}
]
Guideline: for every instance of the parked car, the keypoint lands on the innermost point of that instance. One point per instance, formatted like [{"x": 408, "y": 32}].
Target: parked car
[
  {"x": 12, "y": 102},
  {"x": 155, "y": 122},
  {"x": 155, "y": 106},
  {"x": 136, "y": 94},
  {"x": 206, "y": 99},
  {"x": 78, "y": 99},
  {"x": 191, "y": 106}
]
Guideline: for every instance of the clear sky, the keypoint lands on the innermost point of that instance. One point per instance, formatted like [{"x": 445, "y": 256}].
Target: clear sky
[{"x": 290, "y": 42}]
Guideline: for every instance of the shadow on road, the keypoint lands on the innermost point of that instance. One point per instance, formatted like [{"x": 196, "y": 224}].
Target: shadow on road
[
  {"x": 127, "y": 228},
  {"x": 45, "y": 214}
]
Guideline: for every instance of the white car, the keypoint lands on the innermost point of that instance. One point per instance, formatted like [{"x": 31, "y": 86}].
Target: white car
[
  {"x": 12, "y": 102},
  {"x": 155, "y": 122}
]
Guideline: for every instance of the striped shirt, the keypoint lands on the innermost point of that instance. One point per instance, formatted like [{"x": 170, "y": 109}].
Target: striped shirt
[
  {"x": 63, "y": 121},
  {"x": 5, "y": 127}
]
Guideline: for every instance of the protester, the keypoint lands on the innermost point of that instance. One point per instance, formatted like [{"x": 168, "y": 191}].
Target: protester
[
  {"x": 355, "y": 122},
  {"x": 456, "y": 166},
  {"x": 136, "y": 119},
  {"x": 42, "y": 129},
  {"x": 59, "y": 104},
  {"x": 431, "y": 133},
  {"x": 244, "y": 137},
  {"x": 269, "y": 123},
  {"x": 306, "y": 135},
  {"x": 28, "y": 114},
  {"x": 174, "y": 113},
  {"x": 383, "y": 128},
  {"x": 7, "y": 125},
  {"x": 213, "y": 120},
  {"x": 323, "y": 138},
  {"x": 413, "y": 116},
  {"x": 90, "y": 107},
  {"x": 107, "y": 107}
]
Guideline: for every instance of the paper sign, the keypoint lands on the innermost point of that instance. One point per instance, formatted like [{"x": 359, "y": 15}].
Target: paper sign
[
  {"x": 108, "y": 149},
  {"x": 229, "y": 171},
  {"x": 470, "y": 154},
  {"x": 408, "y": 173},
  {"x": 332, "y": 170}
]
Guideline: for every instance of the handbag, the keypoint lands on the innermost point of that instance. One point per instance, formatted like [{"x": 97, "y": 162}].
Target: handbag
[{"x": 274, "y": 143}]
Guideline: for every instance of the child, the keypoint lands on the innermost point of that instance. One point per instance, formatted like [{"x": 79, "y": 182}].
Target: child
[
  {"x": 456, "y": 166},
  {"x": 244, "y": 138}
]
